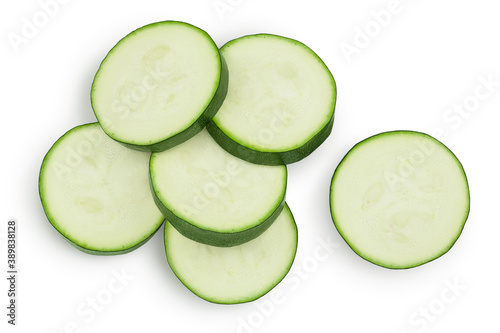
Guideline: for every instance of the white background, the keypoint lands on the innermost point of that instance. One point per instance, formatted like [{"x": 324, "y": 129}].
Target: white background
[{"x": 410, "y": 70}]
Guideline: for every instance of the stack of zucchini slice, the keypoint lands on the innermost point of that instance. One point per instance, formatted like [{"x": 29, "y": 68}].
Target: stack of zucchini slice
[{"x": 200, "y": 137}]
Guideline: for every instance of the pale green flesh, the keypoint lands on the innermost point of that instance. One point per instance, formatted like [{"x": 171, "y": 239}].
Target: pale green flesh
[
  {"x": 156, "y": 82},
  {"x": 96, "y": 193},
  {"x": 234, "y": 274},
  {"x": 280, "y": 93},
  {"x": 206, "y": 186},
  {"x": 400, "y": 199}
]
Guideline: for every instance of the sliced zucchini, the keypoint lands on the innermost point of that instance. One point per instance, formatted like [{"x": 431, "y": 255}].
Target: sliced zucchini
[
  {"x": 236, "y": 274},
  {"x": 400, "y": 199},
  {"x": 95, "y": 192},
  {"x": 159, "y": 86},
  {"x": 214, "y": 197},
  {"x": 280, "y": 103}
]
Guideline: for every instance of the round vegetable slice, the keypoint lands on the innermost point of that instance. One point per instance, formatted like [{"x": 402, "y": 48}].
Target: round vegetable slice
[
  {"x": 96, "y": 193},
  {"x": 214, "y": 197},
  {"x": 400, "y": 199},
  {"x": 280, "y": 102},
  {"x": 159, "y": 86},
  {"x": 235, "y": 274}
]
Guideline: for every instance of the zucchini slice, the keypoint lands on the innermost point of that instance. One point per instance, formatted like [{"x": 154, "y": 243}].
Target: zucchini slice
[
  {"x": 400, "y": 199},
  {"x": 214, "y": 197},
  {"x": 159, "y": 86},
  {"x": 96, "y": 193},
  {"x": 280, "y": 102},
  {"x": 237, "y": 274}
]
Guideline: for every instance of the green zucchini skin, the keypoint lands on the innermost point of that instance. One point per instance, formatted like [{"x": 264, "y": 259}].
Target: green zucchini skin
[
  {"x": 363, "y": 255},
  {"x": 269, "y": 158},
  {"x": 211, "y": 237},
  {"x": 125, "y": 250}
]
